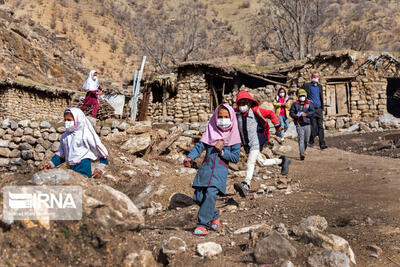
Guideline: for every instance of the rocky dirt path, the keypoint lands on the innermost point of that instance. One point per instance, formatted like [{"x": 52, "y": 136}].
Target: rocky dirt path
[{"x": 357, "y": 194}]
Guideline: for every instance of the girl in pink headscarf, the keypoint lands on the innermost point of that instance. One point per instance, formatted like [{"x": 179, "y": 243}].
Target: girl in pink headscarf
[{"x": 221, "y": 140}]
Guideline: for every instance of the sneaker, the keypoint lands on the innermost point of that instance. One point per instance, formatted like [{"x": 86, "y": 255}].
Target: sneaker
[
  {"x": 241, "y": 188},
  {"x": 302, "y": 157},
  {"x": 285, "y": 165},
  {"x": 324, "y": 147}
]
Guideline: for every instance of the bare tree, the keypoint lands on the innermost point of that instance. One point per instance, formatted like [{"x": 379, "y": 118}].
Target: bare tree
[
  {"x": 173, "y": 35},
  {"x": 287, "y": 28}
]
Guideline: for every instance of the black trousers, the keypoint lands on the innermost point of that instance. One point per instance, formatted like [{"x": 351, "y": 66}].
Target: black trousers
[{"x": 317, "y": 127}]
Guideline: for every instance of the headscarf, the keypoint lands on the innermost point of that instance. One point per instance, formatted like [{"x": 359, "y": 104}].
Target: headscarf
[
  {"x": 92, "y": 83},
  {"x": 82, "y": 142},
  {"x": 213, "y": 133}
]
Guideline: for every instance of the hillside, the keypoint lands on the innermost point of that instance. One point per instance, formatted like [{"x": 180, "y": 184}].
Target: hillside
[{"x": 112, "y": 35}]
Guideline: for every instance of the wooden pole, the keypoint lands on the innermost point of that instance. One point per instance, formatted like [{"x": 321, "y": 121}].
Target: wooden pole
[
  {"x": 223, "y": 92},
  {"x": 137, "y": 88},
  {"x": 164, "y": 98}
]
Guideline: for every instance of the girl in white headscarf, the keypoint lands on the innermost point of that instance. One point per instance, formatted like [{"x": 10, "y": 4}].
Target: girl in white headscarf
[
  {"x": 92, "y": 86},
  {"x": 80, "y": 146}
]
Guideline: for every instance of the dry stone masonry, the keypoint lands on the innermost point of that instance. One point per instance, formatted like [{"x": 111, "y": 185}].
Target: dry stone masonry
[{"x": 28, "y": 143}]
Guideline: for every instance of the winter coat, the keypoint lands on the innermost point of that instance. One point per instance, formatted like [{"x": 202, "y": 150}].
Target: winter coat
[
  {"x": 297, "y": 107},
  {"x": 307, "y": 87},
  {"x": 214, "y": 169},
  {"x": 253, "y": 125},
  {"x": 277, "y": 104}
]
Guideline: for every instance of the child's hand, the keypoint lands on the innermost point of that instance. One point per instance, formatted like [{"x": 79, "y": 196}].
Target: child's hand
[
  {"x": 46, "y": 166},
  {"x": 186, "y": 162},
  {"x": 219, "y": 145},
  {"x": 97, "y": 173},
  {"x": 304, "y": 114},
  {"x": 280, "y": 129}
]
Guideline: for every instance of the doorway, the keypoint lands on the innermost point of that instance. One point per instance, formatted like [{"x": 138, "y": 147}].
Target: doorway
[
  {"x": 393, "y": 96},
  {"x": 338, "y": 97}
]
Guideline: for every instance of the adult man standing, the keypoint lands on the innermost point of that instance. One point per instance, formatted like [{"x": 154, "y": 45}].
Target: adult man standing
[{"x": 315, "y": 95}]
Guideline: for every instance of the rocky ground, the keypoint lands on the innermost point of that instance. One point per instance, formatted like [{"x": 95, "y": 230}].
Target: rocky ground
[{"x": 355, "y": 195}]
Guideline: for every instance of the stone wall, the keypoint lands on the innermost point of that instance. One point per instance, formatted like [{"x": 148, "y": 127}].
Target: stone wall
[
  {"x": 20, "y": 104},
  {"x": 193, "y": 101},
  {"x": 31, "y": 143},
  {"x": 191, "y": 104},
  {"x": 368, "y": 98}
]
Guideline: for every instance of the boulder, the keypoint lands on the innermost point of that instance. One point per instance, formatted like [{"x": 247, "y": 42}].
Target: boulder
[
  {"x": 139, "y": 129},
  {"x": 34, "y": 124},
  {"x": 4, "y": 162},
  {"x": 5, "y": 123},
  {"x": 387, "y": 121},
  {"x": 54, "y": 147},
  {"x": 12, "y": 145},
  {"x": 92, "y": 120},
  {"x": 4, "y": 143},
  {"x": 53, "y": 137},
  {"x": 5, "y": 152},
  {"x": 44, "y": 125},
  {"x": 142, "y": 258},
  {"x": 108, "y": 207},
  {"x": 29, "y": 139},
  {"x": 61, "y": 129},
  {"x": 172, "y": 246},
  {"x": 311, "y": 224},
  {"x": 27, "y": 154},
  {"x": 13, "y": 125},
  {"x": 24, "y": 123},
  {"x": 137, "y": 144},
  {"x": 18, "y": 132},
  {"x": 179, "y": 200},
  {"x": 328, "y": 258},
  {"x": 37, "y": 134},
  {"x": 122, "y": 126},
  {"x": 27, "y": 131},
  {"x": 332, "y": 242},
  {"x": 274, "y": 248},
  {"x": 208, "y": 249}
]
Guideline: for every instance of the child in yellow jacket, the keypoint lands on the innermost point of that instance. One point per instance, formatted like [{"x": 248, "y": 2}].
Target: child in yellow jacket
[{"x": 282, "y": 105}]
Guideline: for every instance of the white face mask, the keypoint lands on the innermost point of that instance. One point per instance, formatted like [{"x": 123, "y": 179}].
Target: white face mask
[
  {"x": 282, "y": 94},
  {"x": 302, "y": 98},
  {"x": 69, "y": 125},
  {"x": 315, "y": 80},
  {"x": 224, "y": 123},
  {"x": 244, "y": 108}
]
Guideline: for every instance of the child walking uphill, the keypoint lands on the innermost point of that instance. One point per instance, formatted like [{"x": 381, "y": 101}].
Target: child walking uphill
[
  {"x": 79, "y": 146},
  {"x": 92, "y": 86},
  {"x": 301, "y": 111},
  {"x": 254, "y": 133},
  {"x": 282, "y": 106},
  {"x": 221, "y": 141}
]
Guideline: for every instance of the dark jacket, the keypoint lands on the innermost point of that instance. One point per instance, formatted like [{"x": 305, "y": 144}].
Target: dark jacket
[
  {"x": 214, "y": 170},
  {"x": 307, "y": 87},
  {"x": 306, "y": 108}
]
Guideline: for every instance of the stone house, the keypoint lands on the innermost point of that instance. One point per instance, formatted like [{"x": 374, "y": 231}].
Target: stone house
[
  {"x": 23, "y": 100},
  {"x": 20, "y": 101},
  {"x": 358, "y": 86}
]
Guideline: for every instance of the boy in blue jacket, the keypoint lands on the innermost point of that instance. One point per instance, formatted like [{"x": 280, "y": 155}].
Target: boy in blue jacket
[
  {"x": 221, "y": 140},
  {"x": 301, "y": 111}
]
